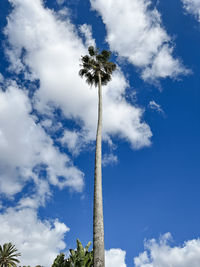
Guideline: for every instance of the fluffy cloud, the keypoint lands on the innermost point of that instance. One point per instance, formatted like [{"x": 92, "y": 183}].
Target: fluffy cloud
[
  {"x": 139, "y": 37},
  {"x": 70, "y": 139},
  {"x": 86, "y": 30},
  {"x": 160, "y": 253},
  {"x": 38, "y": 241},
  {"x": 41, "y": 241},
  {"x": 26, "y": 150},
  {"x": 115, "y": 257},
  {"x": 75, "y": 140},
  {"x": 43, "y": 47},
  {"x": 52, "y": 52},
  {"x": 192, "y": 7}
]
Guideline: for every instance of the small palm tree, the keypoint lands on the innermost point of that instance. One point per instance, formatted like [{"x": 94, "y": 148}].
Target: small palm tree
[
  {"x": 8, "y": 255},
  {"x": 97, "y": 69}
]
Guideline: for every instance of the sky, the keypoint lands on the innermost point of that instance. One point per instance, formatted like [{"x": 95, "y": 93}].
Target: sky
[{"x": 151, "y": 129}]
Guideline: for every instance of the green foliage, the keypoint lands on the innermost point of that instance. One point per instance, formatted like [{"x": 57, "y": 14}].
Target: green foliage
[
  {"x": 80, "y": 257},
  {"x": 60, "y": 261},
  {"x": 97, "y": 63},
  {"x": 8, "y": 255}
]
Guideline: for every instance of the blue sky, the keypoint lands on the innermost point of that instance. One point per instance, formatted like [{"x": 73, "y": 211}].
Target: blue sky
[{"x": 151, "y": 131}]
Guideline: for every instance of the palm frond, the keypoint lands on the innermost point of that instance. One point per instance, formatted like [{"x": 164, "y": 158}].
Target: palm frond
[
  {"x": 8, "y": 255},
  {"x": 82, "y": 72},
  {"x": 95, "y": 63},
  {"x": 105, "y": 78},
  {"x": 106, "y": 55},
  {"x": 89, "y": 78},
  {"x": 91, "y": 51}
]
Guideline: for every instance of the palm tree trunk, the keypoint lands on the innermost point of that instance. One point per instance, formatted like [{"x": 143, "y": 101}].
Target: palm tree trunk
[{"x": 98, "y": 226}]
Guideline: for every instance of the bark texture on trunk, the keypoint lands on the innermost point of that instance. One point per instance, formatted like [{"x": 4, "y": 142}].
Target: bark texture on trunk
[{"x": 98, "y": 226}]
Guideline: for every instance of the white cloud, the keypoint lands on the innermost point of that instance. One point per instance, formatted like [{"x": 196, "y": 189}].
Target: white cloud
[
  {"x": 70, "y": 138},
  {"x": 38, "y": 241},
  {"x": 139, "y": 37},
  {"x": 155, "y": 106},
  {"x": 109, "y": 159},
  {"x": 60, "y": 2},
  {"x": 161, "y": 254},
  {"x": 25, "y": 146},
  {"x": 38, "y": 198},
  {"x": 192, "y": 7},
  {"x": 53, "y": 50},
  {"x": 73, "y": 140},
  {"x": 115, "y": 257},
  {"x": 86, "y": 30}
]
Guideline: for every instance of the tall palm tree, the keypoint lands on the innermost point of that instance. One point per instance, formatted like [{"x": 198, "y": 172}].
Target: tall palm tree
[
  {"x": 97, "y": 69},
  {"x": 8, "y": 255}
]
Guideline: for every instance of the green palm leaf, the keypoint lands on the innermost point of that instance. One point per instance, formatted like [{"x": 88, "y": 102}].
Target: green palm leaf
[
  {"x": 96, "y": 63},
  {"x": 8, "y": 255},
  {"x": 80, "y": 257}
]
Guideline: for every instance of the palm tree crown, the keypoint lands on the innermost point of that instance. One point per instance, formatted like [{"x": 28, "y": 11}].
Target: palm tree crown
[
  {"x": 97, "y": 63},
  {"x": 8, "y": 255}
]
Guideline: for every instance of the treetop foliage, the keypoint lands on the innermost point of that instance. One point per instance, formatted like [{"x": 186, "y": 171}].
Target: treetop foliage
[
  {"x": 80, "y": 257},
  {"x": 97, "y": 64},
  {"x": 8, "y": 255}
]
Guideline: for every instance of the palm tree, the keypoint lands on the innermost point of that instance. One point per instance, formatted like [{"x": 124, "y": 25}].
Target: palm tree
[
  {"x": 8, "y": 255},
  {"x": 97, "y": 69}
]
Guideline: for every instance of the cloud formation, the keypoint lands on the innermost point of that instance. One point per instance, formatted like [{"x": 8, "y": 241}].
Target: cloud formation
[
  {"x": 38, "y": 241},
  {"x": 109, "y": 159},
  {"x": 52, "y": 52},
  {"x": 86, "y": 30},
  {"x": 155, "y": 106},
  {"x": 160, "y": 253},
  {"x": 60, "y": 2},
  {"x": 192, "y": 7},
  {"x": 42, "y": 47},
  {"x": 115, "y": 257},
  {"x": 139, "y": 37},
  {"x": 26, "y": 149}
]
